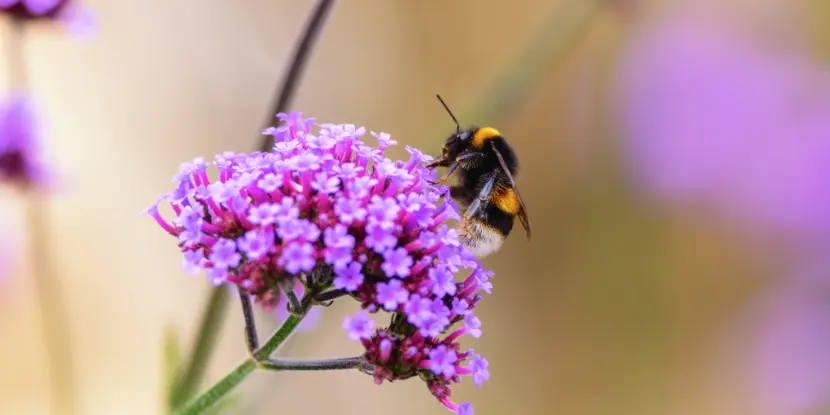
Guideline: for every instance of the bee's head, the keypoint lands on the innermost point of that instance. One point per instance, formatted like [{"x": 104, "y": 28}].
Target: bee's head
[{"x": 456, "y": 144}]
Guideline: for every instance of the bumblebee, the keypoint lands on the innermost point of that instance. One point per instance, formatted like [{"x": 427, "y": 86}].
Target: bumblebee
[{"x": 484, "y": 164}]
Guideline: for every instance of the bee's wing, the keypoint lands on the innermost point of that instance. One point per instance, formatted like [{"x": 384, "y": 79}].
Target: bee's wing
[{"x": 523, "y": 218}]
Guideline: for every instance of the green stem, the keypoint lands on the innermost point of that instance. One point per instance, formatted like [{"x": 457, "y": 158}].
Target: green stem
[
  {"x": 233, "y": 379},
  {"x": 190, "y": 376},
  {"x": 339, "y": 363}
]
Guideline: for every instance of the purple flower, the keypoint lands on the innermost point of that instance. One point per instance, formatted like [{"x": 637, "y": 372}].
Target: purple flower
[
  {"x": 391, "y": 294},
  {"x": 290, "y": 229},
  {"x": 217, "y": 276},
  {"x": 397, "y": 263},
  {"x": 478, "y": 365},
  {"x": 193, "y": 261},
  {"x": 324, "y": 184},
  {"x": 338, "y": 236},
  {"x": 224, "y": 254},
  {"x": 347, "y": 170},
  {"x": 256, "y": 243},
  {"x": 747, "y": 132},
  {"x": 349, "y": 277},
  {"x": 35, "y": 7},
  {"x": 379, "y": 238},
  {"x": 223, "y": 192},
  {"x": 349, "y": 210},
  {"x": 473, "y": 325},
  {"x": 783, "y": 354},
  {"x": 465, "y": 408},
  {"x": 298, "y": 257},
  {"x": 418, "y": 310},
  {"x": 383, "y": 210},
  {"x": 74, "y": 16},
  {"x": 288, "y": 210},
  {"x": 269, "y": 183},
  {"x": 443, "y": 282},
  {"x": 384, "y": 140},
  {"x": 326, "y": 211},
  {"x": 340, "y": 246},
  {"x": 19, "y": 142},
  {"x": 361, "y": 326},
  {"x": 460, "y": 307},
  {"x": 442, "y": 361}
]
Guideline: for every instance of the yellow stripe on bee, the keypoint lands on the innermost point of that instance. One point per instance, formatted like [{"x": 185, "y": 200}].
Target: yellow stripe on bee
[
  {"x": 484, "y": 134},
  {"x": 506, "y": 200}
]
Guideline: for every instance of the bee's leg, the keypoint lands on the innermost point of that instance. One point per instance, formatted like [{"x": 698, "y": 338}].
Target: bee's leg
[
  {"x": 483, "y": 197},
  {"x": 458, "y": 160},
  {"x": 447, "y": 175},
  {"x": 437, "y": 162}
]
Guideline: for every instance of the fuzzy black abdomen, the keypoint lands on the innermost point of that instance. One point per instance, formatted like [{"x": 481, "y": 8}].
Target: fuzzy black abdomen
[{"x": 498, "y": 219}]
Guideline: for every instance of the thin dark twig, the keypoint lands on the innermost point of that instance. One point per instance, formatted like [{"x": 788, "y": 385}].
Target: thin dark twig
[
  {"x": 294, "y": 304},
  {"x": 340, "y": 363},
  {"x": 291, "y": 80},
  {"x": 251, "y": 336}
]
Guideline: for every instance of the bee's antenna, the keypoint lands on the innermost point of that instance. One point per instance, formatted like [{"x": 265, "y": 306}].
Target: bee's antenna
[{"x": 457, "y": 125}]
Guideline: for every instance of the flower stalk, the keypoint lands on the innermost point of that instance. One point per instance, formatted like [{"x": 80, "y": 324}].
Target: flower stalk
[
  {"x": 340, "y": 363},
  {"x": 211, "y": 326},
  {"x": 209, "y": 329},
  {"x": 244, "y": 369},
  {"x": 251, "y": 336},
  {"x": 54, "y": 321},
  {"x": 53, "y": 313}
]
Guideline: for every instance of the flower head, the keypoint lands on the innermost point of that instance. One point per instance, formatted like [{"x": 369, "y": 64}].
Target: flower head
[
  {"x": 326, "y": 211},
  {"x": 19, "y": 148}
]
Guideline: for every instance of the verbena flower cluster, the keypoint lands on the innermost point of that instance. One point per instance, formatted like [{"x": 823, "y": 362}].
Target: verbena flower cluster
[{"x": 330, "y": 212}]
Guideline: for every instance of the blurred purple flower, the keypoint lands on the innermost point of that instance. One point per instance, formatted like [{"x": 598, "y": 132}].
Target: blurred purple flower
[
  {"x": 71, "y": 14},
  {"x": 20, "y": 161},
  {"x": 708, "y": 115},
  {"x": 787, "y": 346}
]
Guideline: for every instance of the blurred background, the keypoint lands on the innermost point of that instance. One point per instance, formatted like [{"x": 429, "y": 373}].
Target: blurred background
[{"x": 676, "y": 167}]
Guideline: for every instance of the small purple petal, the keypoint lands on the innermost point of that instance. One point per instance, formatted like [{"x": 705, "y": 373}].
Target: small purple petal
[{"x": 360, "y": 326}]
